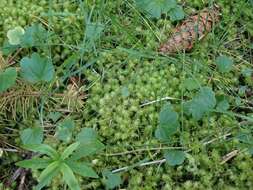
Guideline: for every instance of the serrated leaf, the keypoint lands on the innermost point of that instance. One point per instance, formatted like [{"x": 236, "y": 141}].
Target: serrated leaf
[
  {"x": 7, "y": 78},
  {"x": 34, "y": 163},
  {"x": 190, "y": 84},
  {"x": 43, "y": 149},
  {"x": 224, "y": 63},
  {"x": 93, "y": 31},
  {"x": 69, "y": 150},
  {"x": 154, "y": 8},
  {"x": 112, "y": 180},
  {"x": 8, "y": 49},
  {"x": 87, "y": 135},
  {"x": 245, "y": 137},
  {"x": 201, "y": 104},
  {"x": 55, "y": 116},
  {"x": 87, "y": 149},
  {"x": 36, "y": 69},
  {"x": 82, "y": 169},
  {"x": 176, "y": 13},
  {"x": 34, "y": 35},
  {"x": 32, "y": 135},
  {"x": 15, "y": 35},
  {"x": 69, "y": 177},
  {"x": 48, "y": 174},
  {"x": 247, "y": 72},
  {"x": 64, "y": 130},
  {"x": 223, "y": 105},
  {"x": 174, "y": 157},
  {"x": 168, "y": 123}
]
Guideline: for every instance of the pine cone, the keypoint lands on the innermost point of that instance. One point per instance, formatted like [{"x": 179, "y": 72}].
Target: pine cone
[{"x": 191, "y": 30}]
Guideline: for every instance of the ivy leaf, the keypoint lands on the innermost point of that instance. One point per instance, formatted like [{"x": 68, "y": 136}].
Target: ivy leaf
[
  {"x": 176, "y": 13},
  {"x": 82, "y": 169},
  {"x": 7, "y": 78},
  {"x": 34, "y": 35},
  {"x": 155, "y": 8},
  {"x": 224, "y": 64},
  {"x": 174, "y": 157},
  {"x": 15, "y": 35},
  {"x": 168, "y": 123},
  {"x": 65, "y": 129},
  {"x": 112, "y": 180},
  {"x": 37, "y": 69},
  {"x": 201, "y": 104},
  {"x": 32, "y": 135}
]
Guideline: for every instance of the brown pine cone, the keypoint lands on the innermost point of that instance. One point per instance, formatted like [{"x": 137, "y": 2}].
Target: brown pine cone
[{"x": 192, "y": 29}]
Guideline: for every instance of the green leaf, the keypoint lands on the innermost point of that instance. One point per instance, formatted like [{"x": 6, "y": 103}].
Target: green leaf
[
  {"x": 89, "y": 144},
  {"x": 224, "y": 63},
  {"x": 15, "y": 35},
  {"x": 201, "y": 104},
  {"x": 48, "y": 174},
  {"x": 223, "y": 105},
  {"x": 54, "y": 116},
  {"x": 69, "y": 177},
  {"x": 154, "y": 8},
  {"x": 93, "y": 31},
  {"x": 112, "y": 180},
  {"x": 32, "y": 135},
  {"x": 37, "y": 69},
  {"x": 245, "y": 137},
  {"x": 87, "y": 135},
  {"x": 69, "y": 150},
  {"x": 7, "y": 78},
  {"x": 8, "y": 49},
  {"x": 191, "y": 84},
  {"x": 125, "y": 92},
  {"x": 247, "y": 72},
  {"x": 176, "y": 13},
  {"x": 87, "y": 149},
  {"x": 65, "y": 129},
  {"x": 34, "y": 35},
  {"x": 82, "y": 169},
  {"x": 43, "y": 149},
  {"x": 34, "y": 163},
  {"x": 168, "y": 123},
  {"x": 174, "y": 157}
]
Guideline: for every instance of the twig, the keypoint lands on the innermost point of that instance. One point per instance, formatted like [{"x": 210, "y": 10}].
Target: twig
[
  {"x": 229, "y": 156},
  {"x": 164, "y": 160},
  {"x": 144, "y": 149},
  {"x": 158, "y": 100},
  {"x": 22, "y": 180},
  {"x": 8, "y": 149}
]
